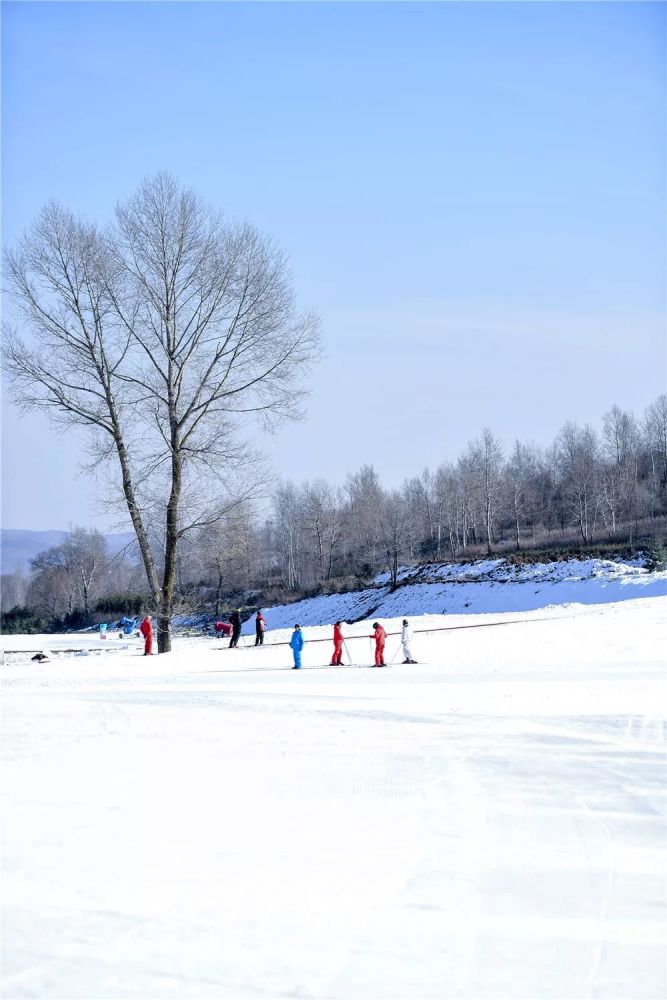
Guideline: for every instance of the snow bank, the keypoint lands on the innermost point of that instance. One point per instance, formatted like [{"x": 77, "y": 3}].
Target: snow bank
[{"x": 486, "y": 587}]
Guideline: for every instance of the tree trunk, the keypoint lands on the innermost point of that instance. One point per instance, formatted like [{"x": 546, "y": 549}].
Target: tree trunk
[
  {"x": 132, "y": 506},
  {"x": 218, "y": 594},
  {"x": 163, "y": 632},
  {"x": 393, "y": 569},
  {"x": 489, "y": 550},
  {"x": 170, "y": 545}
]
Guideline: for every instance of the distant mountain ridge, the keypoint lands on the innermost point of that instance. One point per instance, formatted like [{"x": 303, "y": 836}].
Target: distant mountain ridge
[{"x": 18, "y": 546}]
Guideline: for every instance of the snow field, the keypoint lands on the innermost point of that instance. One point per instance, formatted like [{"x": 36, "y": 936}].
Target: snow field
[{"x": 487, "y": 824}]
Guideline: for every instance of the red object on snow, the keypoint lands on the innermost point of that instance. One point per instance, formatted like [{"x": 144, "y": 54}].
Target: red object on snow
[
  {"x": 223, "y": 627},
  {"x": 379, "y": 635},
  {"x": 146, "y": 629},
  {"x": 337, "y": 658}
]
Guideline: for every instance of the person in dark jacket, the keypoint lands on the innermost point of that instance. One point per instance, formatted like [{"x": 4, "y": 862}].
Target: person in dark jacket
[
  {"x": 337, "y": 658},
  {"x": 235, "y": 621},
  {"x": 296, "y": 642},
  {"x": 146, "y": 629},
  {"x": 260, "y": 626}
]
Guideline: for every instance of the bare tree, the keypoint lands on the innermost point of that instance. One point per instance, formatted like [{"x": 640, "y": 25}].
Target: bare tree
[
  {"x": 320, "y": 504},
  {"x": 579, "y": 463},
  {"x": 394, "y": 520},
  {"x": 161, "y": 336},
  {"x": 85, "y": 554},
  {"x": 655, "y": 434},
  {"x": 449, "y": 507},
  {"x": 364, "y": 501},
  {"x": 225, "y": 556},
  {"x": 49, "y": 590},
  {"x": 69, "y": 575},
  {"x": 484, "y": 472},
  {"x": 420, "y": 495},
  {"x": 53, "y": 583},
  {"x": 288, "y": 511},
  {"x": 620, "y": 474},
  {"x": 13, "y": 587},
  {"x": 520, "y": 476}
]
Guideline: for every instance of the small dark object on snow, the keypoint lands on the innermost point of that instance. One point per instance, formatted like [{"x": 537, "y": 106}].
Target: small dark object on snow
[{"x": 40, "y": 658}]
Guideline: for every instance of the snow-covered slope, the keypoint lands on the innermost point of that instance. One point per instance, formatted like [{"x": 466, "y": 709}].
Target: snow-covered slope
[
  {"x": 486, "y": 825},
  {"x": 491, "y": 586}
]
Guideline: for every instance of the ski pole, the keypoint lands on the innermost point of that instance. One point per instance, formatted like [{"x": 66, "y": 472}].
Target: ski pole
[{"x": 391, "y": 662}]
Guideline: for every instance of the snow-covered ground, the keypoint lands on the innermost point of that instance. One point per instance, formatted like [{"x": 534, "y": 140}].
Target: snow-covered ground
[{"x": 487, "y": 824}]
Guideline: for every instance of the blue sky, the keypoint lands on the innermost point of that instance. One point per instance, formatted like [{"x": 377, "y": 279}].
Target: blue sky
[{"x": 471, "y": 195}]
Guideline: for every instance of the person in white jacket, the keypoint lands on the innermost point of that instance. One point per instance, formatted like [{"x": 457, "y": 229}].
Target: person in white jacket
[{"x": 406, "y": 639}]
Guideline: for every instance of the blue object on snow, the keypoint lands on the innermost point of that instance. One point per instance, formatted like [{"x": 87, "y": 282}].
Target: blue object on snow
[{"x": 296, "y": 642}]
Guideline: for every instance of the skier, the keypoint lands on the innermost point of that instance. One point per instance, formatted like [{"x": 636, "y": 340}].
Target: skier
[
  {"x": 146, "y": 629},
  {"x": 236, "y": 628},
  {"x": 337, "y": 658},
  {"x": 296, "y": 642},
  {"x": 379, "y": 635},
  {"x": 406, "y": 639},
  {"x": 223, "y": 628},
  {"x": 260, "y": 625}
]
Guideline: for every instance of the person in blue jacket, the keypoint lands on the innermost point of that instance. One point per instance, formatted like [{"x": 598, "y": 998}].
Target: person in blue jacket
[{"x": 296, "y": 642}]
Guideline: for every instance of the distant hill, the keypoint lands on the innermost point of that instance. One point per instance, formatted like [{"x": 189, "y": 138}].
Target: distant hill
[{"x": 18, "y": 547}]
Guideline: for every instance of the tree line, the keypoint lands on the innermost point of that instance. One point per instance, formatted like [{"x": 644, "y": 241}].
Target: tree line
[{"x": 588, "y": 485}]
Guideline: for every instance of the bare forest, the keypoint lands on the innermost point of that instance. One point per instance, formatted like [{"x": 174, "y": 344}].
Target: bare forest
[{"x": 590, "y": 486}]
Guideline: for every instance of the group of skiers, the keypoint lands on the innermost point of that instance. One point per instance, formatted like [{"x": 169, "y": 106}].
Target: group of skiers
[
  {"x": 233, "y": 628},
  {"x": 379, "y": 634},
  {"x": 297, "y": 640}
]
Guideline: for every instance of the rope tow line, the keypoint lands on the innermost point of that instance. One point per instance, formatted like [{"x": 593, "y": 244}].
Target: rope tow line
[
  {"x": 347, "y": 638},
  {"x": 421, "y": 631}
]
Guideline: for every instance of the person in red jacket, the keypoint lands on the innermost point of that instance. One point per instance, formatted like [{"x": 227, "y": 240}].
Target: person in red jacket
[
  {"x": 337, "y": 658},
  {"x": 146, "y": 629},
  {"x": 379, "y": 635}
]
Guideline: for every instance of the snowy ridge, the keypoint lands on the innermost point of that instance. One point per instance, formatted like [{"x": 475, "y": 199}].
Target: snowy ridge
[
  {"x": 491, "y": 586},
  {"x": 503, "y": 571}
]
